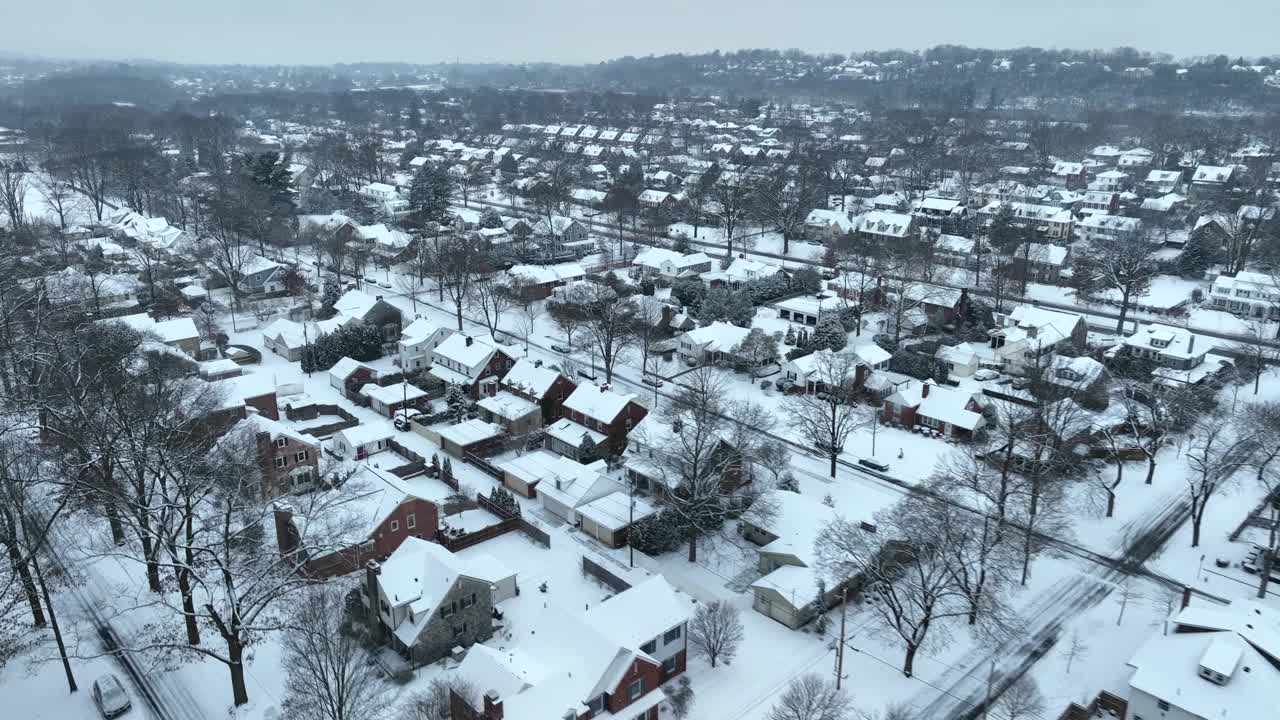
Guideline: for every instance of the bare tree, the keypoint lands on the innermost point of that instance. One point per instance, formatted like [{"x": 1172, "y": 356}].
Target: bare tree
[
  {"x": 1021, "y": 701},
  {"x": 13, "y": 193},
  {"x": 1124, "y": 264},
  {"x": 732, "y": 201},
  {"x": 461, "y": 263},
  {"x": 811, "y": 697},
  {"x": 61, "y": 198},
  {"x": 830, "y": 414},
  {"x": 492, "y": 297},
  {"x": 716, "y": 630},
  {"x": 434, "y": 703},
  {"x": 1264, "y": 421},
  {"x": 1128, "y": 592},
  {"x": 609, "y": 329},
  {"x": 785, "y": 202},
  {"x": 1219, "y": 447},
  {"x": 911, "y": 581},
  {"x": 331, "y": 676},
  {"x": 1075, "y": 648}
]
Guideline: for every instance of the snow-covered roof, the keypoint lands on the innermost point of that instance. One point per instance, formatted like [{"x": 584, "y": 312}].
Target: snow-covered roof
[
  {"x": 543, "y": 274},
  {"x": 467, "y": 351},
  {"x": 940, "y": 403},
  {"x": 571, "y": 433},
  {"x": 470, "y": 432},
  {"x": 507, "y": 406},
  {"x": 259, "y": 423},
  {"x": 719, "y": 336},
  {"x": 530, "y": 378},
  {"x": 392, "y": 394},
  {"x": 1212, "y": 174},
  {"x": 1170, "y": 340},
  {"x": 796, "y": 522},
  {"x": 616, "y": 510},
  {"x": 342, "y": 369},
  {"x": 355, "y": 303},
  {"x": 419, "y": 330},
  {"x": 641, "y": 613},
  {"x": 601, "y": 405},
  {"x": 882, "y": 222}
]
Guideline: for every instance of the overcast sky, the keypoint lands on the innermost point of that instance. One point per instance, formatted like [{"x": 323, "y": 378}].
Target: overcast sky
[{"x": 575, "y": 31}]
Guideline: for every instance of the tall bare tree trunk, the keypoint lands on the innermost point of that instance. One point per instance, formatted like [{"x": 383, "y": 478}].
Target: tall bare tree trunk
[{"x": 53, "y": 622}]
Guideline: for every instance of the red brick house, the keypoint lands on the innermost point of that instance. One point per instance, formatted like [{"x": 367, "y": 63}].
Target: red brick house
[
  {"x": 541, "y": 385},
  {"x": 600, "y": 412},
  {"x": 935, "y": 408},
  {"x": 471, "y": 363},
  {"x": 290, "y": 461},
  {"x": 381, "y": 514},
  {"x": 611, "y": 660}
]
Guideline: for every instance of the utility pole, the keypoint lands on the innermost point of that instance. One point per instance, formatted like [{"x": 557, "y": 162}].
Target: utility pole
[
  {"x": 844, "y": 599},
  {"x": 631, "y": 549}
]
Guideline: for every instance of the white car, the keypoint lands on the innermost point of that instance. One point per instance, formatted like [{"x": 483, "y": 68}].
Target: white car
[
  {"x": 402, "y": 418},
  {"x": 986, "y": 374},
  {"x": 110, "y": 696}
]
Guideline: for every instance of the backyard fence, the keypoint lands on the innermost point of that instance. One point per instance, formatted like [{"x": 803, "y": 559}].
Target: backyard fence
[{"x": 599, "y": 572}]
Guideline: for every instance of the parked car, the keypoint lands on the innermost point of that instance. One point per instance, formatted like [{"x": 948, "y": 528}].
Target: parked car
[
  {"x": 651, "y": 381},
  {"x": 402, "y": 418},
  {"x": 874, "y": 464},
  {"x": 562, "y": 349},
  {"x": 110, "y": 696},
  {"x": 985, "y": 374}
]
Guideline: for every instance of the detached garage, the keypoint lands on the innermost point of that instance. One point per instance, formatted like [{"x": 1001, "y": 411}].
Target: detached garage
[
  {"x": 787, "y": 595},
  {"x": 608, "y": 519}
]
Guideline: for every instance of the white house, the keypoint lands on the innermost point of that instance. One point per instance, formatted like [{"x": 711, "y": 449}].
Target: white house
[
  {"x": 712, "y": 343},
  {"x": 1251, "y": 294},
  {"x": 1028, "y": 333},
  {"x": 361, "y": 441},
  {"x": 418, "y": 342},
  {"x": 1208, "y": 663}
]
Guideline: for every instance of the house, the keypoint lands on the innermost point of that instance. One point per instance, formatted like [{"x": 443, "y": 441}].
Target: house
[
  {"x": 886, "y": 226},
  {"x": 652, "y": 469},
  {"x": 423, "y": 601},
  {"x": 1251, "y": 294},
  {"x": 287, "y": 338},
  {"x": 387, "y": 245},
  {"x": 609, "y": 662},
  {"x": 1210, "y": 182},
  {"x": 938, "y": 408},
  {"x": 602, "y": 412},
  {"x": 788, "y": 591},
  {"x": 712, "y": 344},
  {"x": 543, "y": 386},
  {"x": 659, "y": 200},
  {"x": 565, "y": 236},
  {"x": 740, "y": 272},
  {"x": 536, "y": 282},
  {"x": 379, "y": 191},
  {"x": 1163, "y": 182},
  {"x": 472, "y": 364},
  {"x": 1041, "y": 262},
  {"x": 964, "y": 359},
  {"x": 261, "y": 276},
  {"x": 808, "y": 309},
  {"x": 289, "y": 461},
  {"x": 180, "y": 333},
  {"x": 669, "y": 263},
  {"x": 470, "y": 437},
  {"x": 361, "y": 441},
  {"x": 1103, "y": 202},
  {"x": 1208, "y": 662},
  {"x": 1108, "y": 227},
  {"x": 1028, "y": 333},
  {"x": 1069, "y": 174},
  {"x": 390, "y": 399},
  {"x": 1110, "y": 181},
  {"x": 516, "y": 415},
  {"x": 524, "y": 473},
  {"x": 936, "y": 210},
  {"x": 569, "y": 484},
  {"x": 1182, "y": 356},
  {"x": 942, "y": 307},
  {"x": 371, "y": 310},
  {"x": 243, "y": 394},
  {"x": 349, "y": 375},
  {"x": 1075, "y": 374},
  {"x": 1047, "y": 221},
  {"x": 366, "y": 518},
  {"x": 825, "y": 225},
  {"x": 417, "y": 344},
  {"x": 808, "y": 374}
]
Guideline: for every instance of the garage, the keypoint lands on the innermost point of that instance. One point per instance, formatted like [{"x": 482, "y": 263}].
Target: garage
[{"x": 786, "y": 595}]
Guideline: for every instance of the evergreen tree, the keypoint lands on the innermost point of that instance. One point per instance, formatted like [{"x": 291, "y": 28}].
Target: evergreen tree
[
  {"x": 656, "y": 534},
  {"x": 681, "y": 244},
  {"x": 508, "y": 164},
  {"x": 490, "y": 219},
  {"x": 830, "y": 333},
  {"x": 588, "y": 452},
  {"x": 456, "y": 398},
  {"x": 820, "y": 601},
  {"x": 447, "y": 472},
  {"x": 788, "y": 483},
  {"x": 429, "y": 195},
  {"x": 502, "y": 498}
]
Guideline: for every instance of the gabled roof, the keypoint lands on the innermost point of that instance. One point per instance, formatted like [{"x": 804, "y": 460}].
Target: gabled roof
[
  {"x": 530, "y": 378},
  {"x": 601, "y": 405},
  {"x": 456, "y": 349}
]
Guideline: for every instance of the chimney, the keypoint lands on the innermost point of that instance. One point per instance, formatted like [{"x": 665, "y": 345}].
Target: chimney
[
  {"x": 371, "y": 572},
  {"x": 1191, "y": 344},
  {"x": 492, "y": 705},
  {"x": 924, "y": 391},
  {"x": 537, "y": 363},
  {"x": 468, "y": 340},
  {"x": 378, "y": 297},
  {"x": 1186, "y": 597}
]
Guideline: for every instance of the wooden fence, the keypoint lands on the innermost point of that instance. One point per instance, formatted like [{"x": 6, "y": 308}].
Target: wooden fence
[
  {"x": 483, "y": 465},
  {"x": 599, "y": 572},
  {"x": 310, "y": 412},
  {"x": 416, "y": 465},
  {"x": 533, "y": 532},
  {"x": 1105, "y": 703}
]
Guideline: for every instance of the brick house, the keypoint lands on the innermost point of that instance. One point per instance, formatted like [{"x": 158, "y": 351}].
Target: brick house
[
  {"x": 939, "y": 408},
  {"x": 611, "y": 660},
  {"x": 383, "y": 514},
  {"x": 607, "y": 414},
  {"x": 471, "y": 363},
  {"x": 422, "y": 602},
  {"x": 541, "y": 385},
  {"x": 290, "y": 461}
]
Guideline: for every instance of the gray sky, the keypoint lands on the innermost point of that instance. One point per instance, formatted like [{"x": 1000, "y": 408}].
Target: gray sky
[{"x": 329, "y": 31}]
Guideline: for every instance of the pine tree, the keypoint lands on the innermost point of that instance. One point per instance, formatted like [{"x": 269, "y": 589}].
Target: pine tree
[
  {"x": 458, "y": 402},
  {"x": 429, "y": 194},
  {"x": 588, "y": 452},
  {"x": 830, "y": 333},
  {"x": 447, "y": 472},
  {"x": 788, "y": 483},
  {"x": 820, "y": 601},
  {"x": 435, "y": 465}
]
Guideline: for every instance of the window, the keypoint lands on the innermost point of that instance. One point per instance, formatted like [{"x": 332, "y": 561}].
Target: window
[
  {"x": 669, "y": 665},
  {"x": 459, "y": 630},
  {"x": 596, "y": 704},
  {"x": 300, "y": 456},
  {"x": 280, "y": 462},
  {"x": 1162, "y": 704},
  {"x": 671, "y": 635},
  {"x": 282, "y": 441},
  {"x": 395, "y": 525},
  {"x": 635, "y": 689},
  {"x": 413, "y": 521},
  {"x": 650, "y": 646}
]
